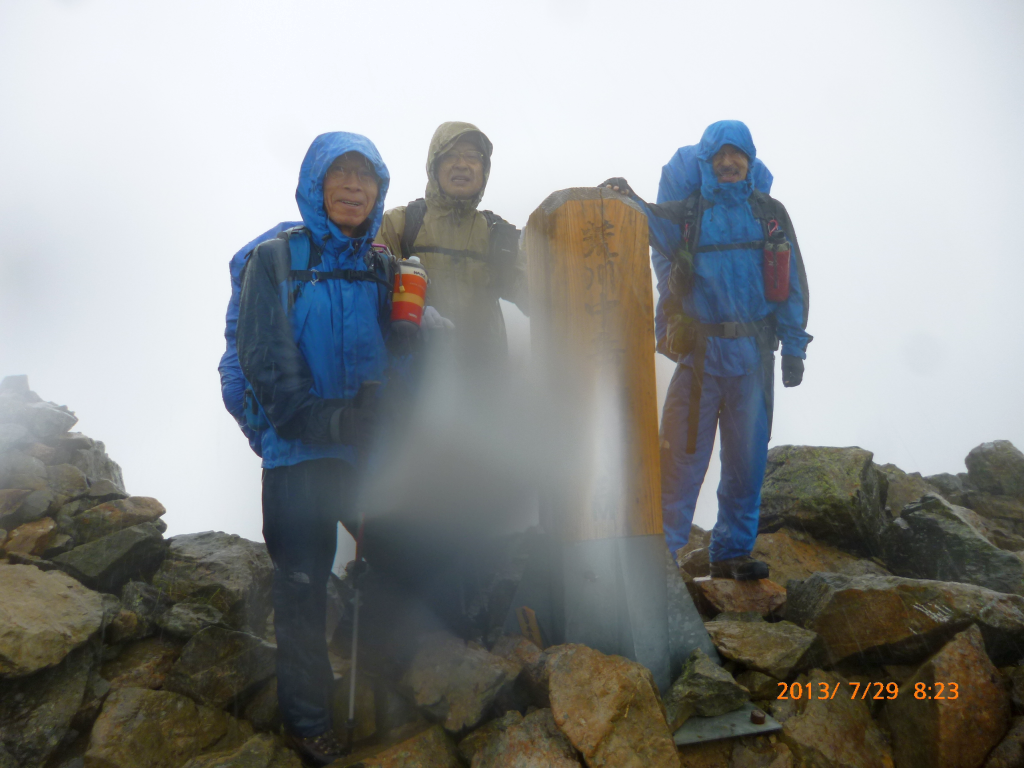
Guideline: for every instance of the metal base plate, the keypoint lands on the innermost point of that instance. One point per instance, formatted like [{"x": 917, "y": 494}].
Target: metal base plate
[{"x": 697, "y": 730}]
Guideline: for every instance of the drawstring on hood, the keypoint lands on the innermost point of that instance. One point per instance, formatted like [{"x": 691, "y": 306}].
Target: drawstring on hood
[
  {"x": 325, "y": 149},
  {"x": 445, "y": 137},
  {"x": 716, "y": 136}
]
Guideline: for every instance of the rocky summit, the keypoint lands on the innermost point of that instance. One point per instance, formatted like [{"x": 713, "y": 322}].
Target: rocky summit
[{"x": 890, "y": 633}]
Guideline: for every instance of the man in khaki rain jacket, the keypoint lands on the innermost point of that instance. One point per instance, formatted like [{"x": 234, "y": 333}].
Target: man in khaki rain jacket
[{"x": 471, "y": 257}]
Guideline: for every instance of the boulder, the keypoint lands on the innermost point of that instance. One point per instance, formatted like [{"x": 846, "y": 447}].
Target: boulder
[
  {"x": 932, "y": 539},
  {"x": 1009, "y": 753},
  {"x": 66, "y": 483},
  {"x": 609, "y": 708},
  {"x": 262, "y": 710},
  {"x": 903, "y": 488},
  {"x": 791, "y": 554},
  {"x": 779, "y": 650},
  {"x": 223, "y": 570},
  {"x": 531, "y": 661},
  {"x": 487, "y": 733},
  {"x": 938, "y": 731},
  {"x": 1005, "y": 512},
  {"x": 43, "y": 617},
  {"x": 695, "y": 563},
  {"x": 830, "y": 732},
  {"x": 761, "y": 686},
  {"x": 31, "y": 538},
  {"x": 35, "y": 506},
  {"x": 218, "y": 666},
  {"x": 13, "y": 436},
  {"x": 18, "y": 470},
  {"x": 47, "y": 420},
  {"x": 430, "y": 748},
  {"x": 261, "y": 751},
  {"x": 159, "y": 729},
  {"x": 145, "y": 601},
  {"x": 714, "y": 596},
  {"x": 997, "y": 468},
  {"x": 901, "y": 621},
  {"x": 534, "y": 741},
  {"x": 699, "y": 539},
  {"x": 187, "y": 619},
  {"x": 703, "y": 688},
  {"x": 10, "y": 500},
  {"x": 949, "y": 486},
  {"x": 36, "y": 712},
  {"x": 41, "y": 451},
  {"x": 90, "y": 456},
  {"x": 59, "y": 544},
  {"x": 107, "y": 564},
  {"x": 142, "y": 664},
  {"x": 111, "y": 516},
  {"x": 834, "y": 494},
  {"x": 455, "y": 684}
]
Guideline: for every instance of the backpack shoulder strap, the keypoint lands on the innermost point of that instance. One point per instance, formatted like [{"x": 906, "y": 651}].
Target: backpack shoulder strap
[
  {"x": 414, "y": 213},
  {"x": 692, "y": 212},
  {"x": 502, "y": 239}
]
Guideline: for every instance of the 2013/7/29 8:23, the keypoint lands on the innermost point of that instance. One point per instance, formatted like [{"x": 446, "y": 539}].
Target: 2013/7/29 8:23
[{"x": 799, "y": 690}]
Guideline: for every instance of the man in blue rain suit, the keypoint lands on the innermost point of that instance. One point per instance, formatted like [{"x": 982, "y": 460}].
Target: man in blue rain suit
[
  {"x": 311, "y": 336},
  {"x": 722, "y": 330}
]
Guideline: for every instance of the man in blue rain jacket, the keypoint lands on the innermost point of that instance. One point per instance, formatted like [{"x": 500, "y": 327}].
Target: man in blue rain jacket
[
  {"x": 717, "y": 323},
  {"x": 310, "y": 338}
]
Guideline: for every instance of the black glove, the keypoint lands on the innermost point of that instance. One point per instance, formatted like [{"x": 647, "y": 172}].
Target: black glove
[
  {"x": 356, "y": 423},
  {"x": 404, "y": 338},
  {"x": 680, "y": 278},
  {"x": 792, "y": 371},
  {"x": 621, "y": 183}
]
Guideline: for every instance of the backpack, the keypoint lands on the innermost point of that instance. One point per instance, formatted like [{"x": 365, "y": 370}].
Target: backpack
[
  {"x": 380, "y": 269},
  {"x": 502, "y": 239}
]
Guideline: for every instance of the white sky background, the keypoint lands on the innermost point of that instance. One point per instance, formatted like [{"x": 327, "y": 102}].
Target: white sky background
[{"x": 141, "y": 144}]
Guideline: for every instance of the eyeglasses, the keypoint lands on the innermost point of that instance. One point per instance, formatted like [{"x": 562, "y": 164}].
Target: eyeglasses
[
  {"x": 362, "y": 172},
  {"x": 469, "y": 156}
]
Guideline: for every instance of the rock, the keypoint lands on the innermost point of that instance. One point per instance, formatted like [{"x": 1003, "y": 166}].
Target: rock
[
  {"x": 761, "y": 686},
  {"x": 36, "y": 712},
  {"x": 146, "y": 601},
  {"x": 262, "y": 710},
  {"x": 218, "y": 666},
  {"x": 43, "y": 617},
  {"x": 949, "y": 486},
  {"x": 833, "y": 494},
  {"x": 66, "y": 483},
  {"x": 696, "y": 563},
  {"x": 932, "y": 539},
  {"x": 790, "y": 554},
  {"x": 1014, "y": 677},
  {"x": 124, "y": 627},
  {"x": 262, "y": 751},
  {"x": 900, "y": 621},
  {"x": 1010, "y": 751},
  {"x": 486, "y": 734},
  {"x": 90, "y": 456},
  {"x": 11, "y": 499},
  {"x": 104, "y": 490},
  {"x": 761, "y": 755},
  {"x": 12, "y": 436},
  {"x": 35, "y": 506},
  {"x": 936, "y": 732},
  {"x": 22, "y": 472},
  {"x": 107, "y": 564},
  {"x": 699, "y": 539},
  {"x": 997, "y": 468},
  {"x": 159, "y": 729},
  {"x": 111, "y": 516},
  {"x": 225, "y": 571},
  {"x": 535, "y": 742},
  {"x": 47, "y": 420},
  {"x": 779, "y": 650},
  {"x": 31, "y": 538},
  {"x": 43, "y": 452},
  {"x": 609, "y": 708},
  {"x": 431, "y": 748},
  {"x": 59, "y": 544},
  {"x": 903, "y": 488},
  {"x": 1006, "y": 512},
  {"x": 456, "y": 684},
  {"x": 15, "y": 386},
  {"x": 703, "y": 688},
  {"x": 531, "y": 660},
  {"x": 142, "y": 664},
  {"x": 714, "y": 596},
  {"x": 831, "y": 732},
  {"x": 187, "y": 619}
]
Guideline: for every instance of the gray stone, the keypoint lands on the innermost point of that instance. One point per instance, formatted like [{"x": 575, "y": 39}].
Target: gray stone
[
  {"x": 146, "y": 601},
  {"x": 36, "y": 712},
  {"x": 947, "y": 484},
  {"x": 1006, "y": 512},
  {"x": 997, "y": 468},
  {"x": 703, "y": 689},
  {"x": 43, "y": 617},
  {"x": 223, "y": 570},
  {"x": 1009, "y": 753},
  {"x": 15, "y": 385},
  {"x": 90, "y": 456},
  {"x": 18, "y": 470},
  {"x": 779, "y": 649},
  {"x": 903, "y": 488},
  {"x": 834, "y": 494},
  {"x": 35, "y": 506},
  {"x": 218, "y": 666},
  {"x": 534, "y": 741},
  {"x": 187, "y": 619},
  {"x": 104, "y": 490},
  {"x": 110, "y": 516},
  {"x": 262, "y": 751},
  {"x": 107, "y": 564},
  {"x": 932, "y": 539},
  {"x": 760, "y": 685},
  {"x": 12, "y": 436},
  {"x": 262, "y": 710},
  {"x": 48, "y": 420}
]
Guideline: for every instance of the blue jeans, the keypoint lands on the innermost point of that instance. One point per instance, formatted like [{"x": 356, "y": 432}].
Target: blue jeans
[{"x": 738, "y": 405}]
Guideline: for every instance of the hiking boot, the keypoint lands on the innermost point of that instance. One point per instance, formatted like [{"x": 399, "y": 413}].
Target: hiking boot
[
  {"x": 317, "y": 750},
  {"x": 743, "y": 568}
]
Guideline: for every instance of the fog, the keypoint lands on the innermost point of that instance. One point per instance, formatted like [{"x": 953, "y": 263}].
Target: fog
[{"x": 141, "y": 144}]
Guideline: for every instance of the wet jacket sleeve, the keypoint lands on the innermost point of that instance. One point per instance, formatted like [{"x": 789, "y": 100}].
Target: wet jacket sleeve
[
  {"x": 791, "y": 315},
  {"x": 391, "y": 228},
  {"x": 270, "y": 359}
]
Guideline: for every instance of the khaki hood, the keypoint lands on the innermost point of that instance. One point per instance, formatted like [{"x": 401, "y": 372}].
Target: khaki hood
[{"x": 445, "y": 137}]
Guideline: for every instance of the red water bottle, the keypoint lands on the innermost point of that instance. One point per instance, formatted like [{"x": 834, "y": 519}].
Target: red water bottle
[
  {"x": 410, "y": 292},
  {"x": 776, "y": 265}
]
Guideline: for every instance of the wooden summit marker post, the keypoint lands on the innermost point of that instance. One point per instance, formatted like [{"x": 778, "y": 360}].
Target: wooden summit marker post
[{"x": 592, "y": 331}]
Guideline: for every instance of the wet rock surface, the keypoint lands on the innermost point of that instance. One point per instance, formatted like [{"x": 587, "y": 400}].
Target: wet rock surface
[
  {"x": 261, "y": 751},
  {"x": 780, "y": 649},
  {"x": 110, "y": 516},
  {"x": 108, "y": 563},
  {"x": 431, "y": 748},
  {"x": 219, "y": 665},
  {"x": 791, "y": 554},
  {"x": 534, "y": 741},
  {"x": 997, "y": 468},
  {"x": 713, "y": 596},
  {"x": 704, "y": 689}
]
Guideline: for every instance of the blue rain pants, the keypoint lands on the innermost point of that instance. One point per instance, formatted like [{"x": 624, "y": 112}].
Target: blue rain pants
[
  {"x": 302, "y": 504},
  {"x": 737, "y": 404}
]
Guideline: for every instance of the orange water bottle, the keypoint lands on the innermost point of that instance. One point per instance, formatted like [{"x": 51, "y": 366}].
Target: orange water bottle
[{"x": 410, "y": 292}]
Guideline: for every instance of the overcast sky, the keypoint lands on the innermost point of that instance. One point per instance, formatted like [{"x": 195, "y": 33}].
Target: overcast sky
[{"x": 141, "y": 144}]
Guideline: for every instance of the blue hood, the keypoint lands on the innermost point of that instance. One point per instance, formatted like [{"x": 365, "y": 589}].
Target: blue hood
[
  {"x": 715, "y": 137},
  {"x": 309, "y": 194}
]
